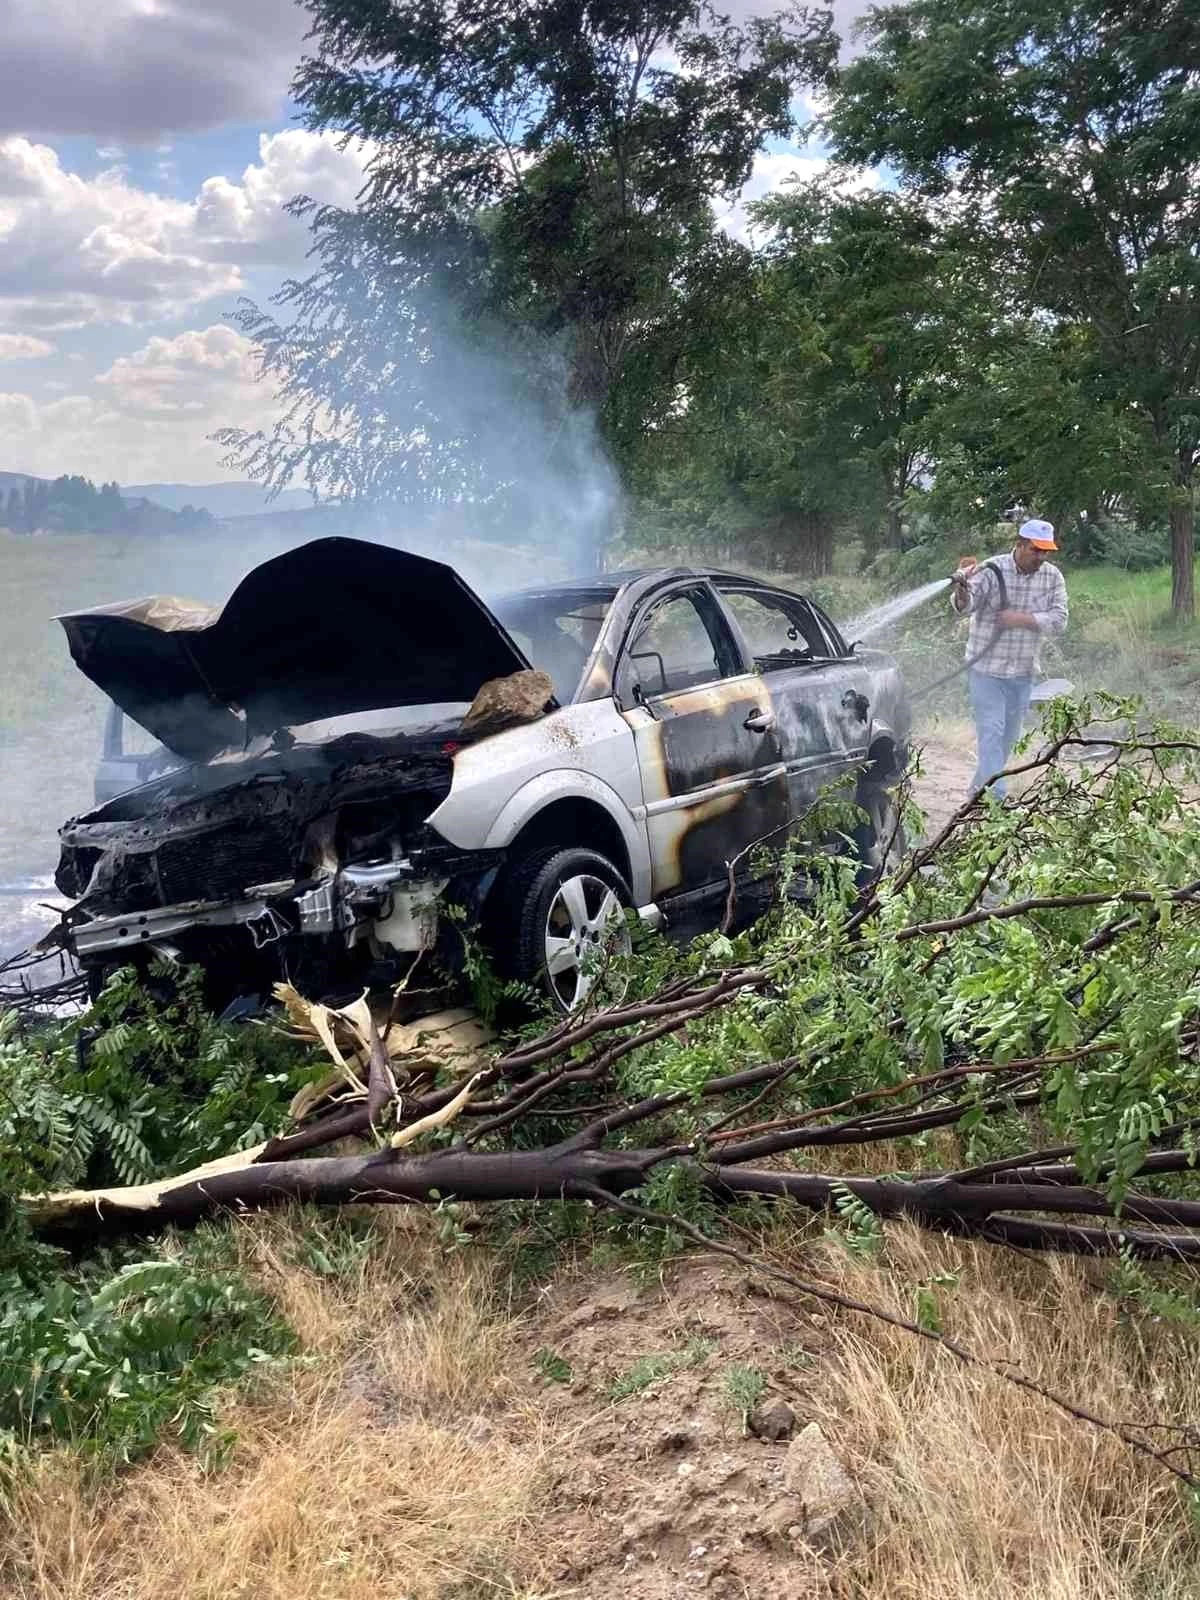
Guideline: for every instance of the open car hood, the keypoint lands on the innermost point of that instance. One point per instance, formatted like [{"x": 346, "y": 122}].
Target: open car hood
[{"x": 335, "y": 626}]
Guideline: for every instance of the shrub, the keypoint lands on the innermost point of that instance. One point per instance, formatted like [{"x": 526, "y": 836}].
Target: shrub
[
  {"x": 110, "y": 1352},
  {"x": 110, "y": 1358},
  {"x": 1135, "y": 549}
]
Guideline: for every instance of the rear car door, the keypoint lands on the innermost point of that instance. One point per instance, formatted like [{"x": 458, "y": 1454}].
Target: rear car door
[
  {"x": 819, "y": 693},
  {"x": 713, "y": 777}
]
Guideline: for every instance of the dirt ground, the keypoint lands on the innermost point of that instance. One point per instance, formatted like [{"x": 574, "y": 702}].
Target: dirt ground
[
  {"x": 946, "y": 761},
  {"x": 673, "y": 1494},
  {"x": 457, "y": 1429}
]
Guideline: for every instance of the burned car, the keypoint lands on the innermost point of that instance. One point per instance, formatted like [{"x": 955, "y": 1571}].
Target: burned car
[{"x": 367, "y": 757}]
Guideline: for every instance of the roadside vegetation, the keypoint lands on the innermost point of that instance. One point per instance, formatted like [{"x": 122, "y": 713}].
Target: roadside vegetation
[
  {"x": 986, "y": 298},
  {"x": 311, "y": 1398}
]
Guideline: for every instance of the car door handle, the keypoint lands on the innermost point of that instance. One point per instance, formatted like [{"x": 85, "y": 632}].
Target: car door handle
[{"x": 760, "y": 721}]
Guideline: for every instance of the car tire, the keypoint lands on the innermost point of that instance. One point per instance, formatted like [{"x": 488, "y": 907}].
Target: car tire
[
  {"x": 880, "y": 840},
  {"x": 553, "y": 908}
]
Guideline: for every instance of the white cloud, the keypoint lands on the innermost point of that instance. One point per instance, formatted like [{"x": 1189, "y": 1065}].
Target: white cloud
[
  {"x": 782, "y": 169},
  {"x": 247, "y": 220},
  {"x": 18, "y": 413},
  {"x": 23, "y": 347},
  {"x": 75, "y": 251},
  {"x": 186, "y": 375},
  {"x": 137, "y": 69},
  {"x": 148, "y": 416},
  {"x": 846, "y": 15}
]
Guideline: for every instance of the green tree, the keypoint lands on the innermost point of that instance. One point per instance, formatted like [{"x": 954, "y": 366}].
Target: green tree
[
  {"x": 880, "y": 310},
  {"x": 1036, "y": 424},
  {"x": 808, "y": 399},
  {"x": 542, "y": 174},
  {"x": 1066, "y": 134},
  {"x": 737, "y": 460}
]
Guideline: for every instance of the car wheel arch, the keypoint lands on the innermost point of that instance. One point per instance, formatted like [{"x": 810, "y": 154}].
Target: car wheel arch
[
  {"x": 574, "y": 821},
  {"x": 556, "y": 797},
  {"x": 885, "y": 759}
]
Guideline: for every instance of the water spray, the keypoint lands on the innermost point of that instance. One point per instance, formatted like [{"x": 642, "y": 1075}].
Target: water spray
[
  {"x": 883, "y": 616},
  {"x": 891, "y": 611}
]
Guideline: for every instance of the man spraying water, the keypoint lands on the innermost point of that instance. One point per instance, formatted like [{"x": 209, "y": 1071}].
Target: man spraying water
[{"x": 1014, "y": 601}]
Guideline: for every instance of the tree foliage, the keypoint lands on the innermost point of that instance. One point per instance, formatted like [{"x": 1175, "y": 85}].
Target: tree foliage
[
  {"x": 1066, "y": 134},
  {"x": 539, "y": 176},
  {"x": 893, "y": 313},
  {"x": 533, "y": 313}
]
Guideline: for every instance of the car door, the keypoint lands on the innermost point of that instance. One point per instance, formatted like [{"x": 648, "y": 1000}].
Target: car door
[
  {"x": 819, "y": 693},
  {"x": 713, "y": 778}
]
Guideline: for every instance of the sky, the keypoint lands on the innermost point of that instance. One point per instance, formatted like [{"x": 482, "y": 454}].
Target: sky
[{"x": 147, "y": 148}]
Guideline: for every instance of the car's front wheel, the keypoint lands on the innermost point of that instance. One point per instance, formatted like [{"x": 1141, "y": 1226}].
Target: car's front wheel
[{"x": 561, "y": 924}]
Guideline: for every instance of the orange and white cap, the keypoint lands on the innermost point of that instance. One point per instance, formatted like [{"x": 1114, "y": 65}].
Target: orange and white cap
[{"x": 1038, "y": 533}]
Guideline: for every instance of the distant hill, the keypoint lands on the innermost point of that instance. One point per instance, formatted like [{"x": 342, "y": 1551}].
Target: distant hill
[
  {"x": 221, "y": 499},
  {"x": 17, "y": 480},
  {"x": 73, "y": 504},
  {"x": 218, "y": 499}
]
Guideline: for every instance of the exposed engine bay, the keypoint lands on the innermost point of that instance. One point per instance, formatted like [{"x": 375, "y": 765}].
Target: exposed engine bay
[
  {"x": 280, "y": 828},
  {"x": 325, "y": 839}
]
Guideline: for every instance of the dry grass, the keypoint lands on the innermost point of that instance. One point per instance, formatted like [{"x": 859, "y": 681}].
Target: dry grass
[
  {"x": 400, "y": 1458},
  {"x": 978, "y": 1489},
  {"x": 392, "y": 1461},
  {"x": 322, "y": 1501},
  {"x": 433, "y": 1329}
]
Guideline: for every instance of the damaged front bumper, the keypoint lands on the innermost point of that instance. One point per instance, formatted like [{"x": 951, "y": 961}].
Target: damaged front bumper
[{"x": 392, "y": 908}]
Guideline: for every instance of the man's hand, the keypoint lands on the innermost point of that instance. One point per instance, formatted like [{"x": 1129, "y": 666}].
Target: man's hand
[
  {"x": 1017, "y": 619},
  {"x": 959, "y": 591}
]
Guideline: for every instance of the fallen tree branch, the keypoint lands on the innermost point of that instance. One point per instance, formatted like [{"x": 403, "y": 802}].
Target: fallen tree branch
[
  {"x": 809, "y": 975},
  {"x": 1190, "y": 894},
  {"x": 936, "y": 1200}
]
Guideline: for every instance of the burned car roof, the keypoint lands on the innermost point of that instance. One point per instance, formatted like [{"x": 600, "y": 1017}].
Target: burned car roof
[{"x": 336, "y": 626}]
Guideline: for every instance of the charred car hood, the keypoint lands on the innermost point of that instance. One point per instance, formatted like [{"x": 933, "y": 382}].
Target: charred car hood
[{"x": 335, "y": 626}]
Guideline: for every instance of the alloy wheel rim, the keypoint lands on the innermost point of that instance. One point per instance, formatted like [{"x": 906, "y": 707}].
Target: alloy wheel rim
[{"x": 585, "y": 931}]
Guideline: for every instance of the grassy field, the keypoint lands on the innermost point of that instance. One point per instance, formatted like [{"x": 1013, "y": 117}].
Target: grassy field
[
  {"x": 1126, "y": 637},
  {"x": 51, "y": 719}
]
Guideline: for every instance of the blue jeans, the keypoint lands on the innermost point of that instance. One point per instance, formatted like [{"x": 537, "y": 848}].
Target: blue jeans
[{"x": 999, "y": 705}]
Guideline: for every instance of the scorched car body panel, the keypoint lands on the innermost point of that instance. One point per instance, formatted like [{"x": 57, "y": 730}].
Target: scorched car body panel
[{"x": 335, "y": 626}]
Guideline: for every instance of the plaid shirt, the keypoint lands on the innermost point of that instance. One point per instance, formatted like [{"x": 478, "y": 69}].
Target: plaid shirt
[{"x": 1013, "y": 652}]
